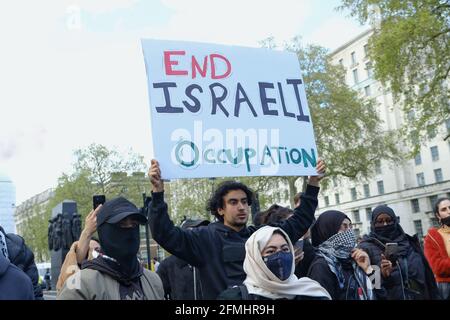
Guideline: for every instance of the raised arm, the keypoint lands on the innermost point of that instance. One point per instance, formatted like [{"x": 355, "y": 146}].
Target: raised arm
[
  {"x": 188, "y": 245},
  {"x": 90, "y": 226},
  {"x": 297, "y": 225}
]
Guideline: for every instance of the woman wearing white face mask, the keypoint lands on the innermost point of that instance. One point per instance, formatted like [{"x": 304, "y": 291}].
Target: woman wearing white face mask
[
  {"x": 340, "y": 268},
  {"x": 269, "y": 265}
]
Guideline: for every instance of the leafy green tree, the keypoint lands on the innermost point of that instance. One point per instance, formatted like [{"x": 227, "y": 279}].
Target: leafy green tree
[
  {"x": 96, "y": 170},
  {"x": 34, "y": 231},
  {"x": 411, "y": 50},
  {"x": 348, "y": 130}
]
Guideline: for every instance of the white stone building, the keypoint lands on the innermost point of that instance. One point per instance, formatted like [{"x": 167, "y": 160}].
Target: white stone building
[
  {"x": 7, "y": 203},
  {"x": 31, "y": 207},
  {"x": 409, "y": 188}
]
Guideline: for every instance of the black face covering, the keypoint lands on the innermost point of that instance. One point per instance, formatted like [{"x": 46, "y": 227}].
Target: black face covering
[
  {"x": 388, "y": 232},
  {"x": 446, "y": 221},
  {"x": 121, "y": 244}
]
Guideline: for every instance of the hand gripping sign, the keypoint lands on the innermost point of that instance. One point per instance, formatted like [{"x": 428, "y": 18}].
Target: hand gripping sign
[{"x": 227, "y": 111}]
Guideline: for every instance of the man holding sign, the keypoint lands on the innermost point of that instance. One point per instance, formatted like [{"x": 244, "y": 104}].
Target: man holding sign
[
  {"x": 218, "y": 250},
  {"x": 226, "y": 111}
]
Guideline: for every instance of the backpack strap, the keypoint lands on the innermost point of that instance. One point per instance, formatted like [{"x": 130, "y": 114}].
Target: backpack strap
[{"x": 244, "y": 292}]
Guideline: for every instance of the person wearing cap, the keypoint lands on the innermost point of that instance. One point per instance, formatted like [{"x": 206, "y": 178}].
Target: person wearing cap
[
  {"x": 116, "y": 273},
  {"x": 180, "y": 279},
  {"x": 218, "y": 249}
]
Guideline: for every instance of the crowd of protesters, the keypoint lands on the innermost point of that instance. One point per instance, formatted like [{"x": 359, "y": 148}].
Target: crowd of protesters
[{"x": 286, "y": 254}]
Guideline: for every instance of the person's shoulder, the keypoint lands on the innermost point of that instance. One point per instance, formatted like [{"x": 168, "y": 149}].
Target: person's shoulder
[
  {"x": 18, "y": 274},
  {"x": 233, "y": 293},
  {"x": 151, "y": 275},
  {"x": 318, "y": 266},
  {"x": 432, "y": 232}
]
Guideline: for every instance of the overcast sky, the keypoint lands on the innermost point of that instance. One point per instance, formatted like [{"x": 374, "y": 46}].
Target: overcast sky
[{"x": 72, "y": 71}]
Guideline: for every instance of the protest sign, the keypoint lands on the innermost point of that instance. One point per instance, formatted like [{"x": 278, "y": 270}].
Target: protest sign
[{"x": 221, "y": 110}]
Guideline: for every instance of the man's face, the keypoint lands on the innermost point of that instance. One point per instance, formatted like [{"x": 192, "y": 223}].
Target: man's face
[{"x": 235, "y": 209}]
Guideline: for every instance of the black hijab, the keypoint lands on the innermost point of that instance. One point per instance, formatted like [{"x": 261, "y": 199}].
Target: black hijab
[
  {"x": 389, "y": 233},
  {"x": 327, "y": 225}
]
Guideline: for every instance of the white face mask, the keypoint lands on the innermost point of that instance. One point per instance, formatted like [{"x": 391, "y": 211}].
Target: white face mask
[{"x": 95, "y": 254}]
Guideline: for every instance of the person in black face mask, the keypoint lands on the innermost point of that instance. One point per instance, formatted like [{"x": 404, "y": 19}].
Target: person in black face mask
[
  {"x": 405, "y": 273},
  {"x": 116, "y": 273},
  {"x": 437, "y": 247}
]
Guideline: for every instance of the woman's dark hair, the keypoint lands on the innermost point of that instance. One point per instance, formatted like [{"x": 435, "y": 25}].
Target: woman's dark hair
[
  {"x": 276, "y": 214},
  {"x": 281, "y": 234},
  {"x": 436, "y": 206},
  {"x": 216, "y": 200}
]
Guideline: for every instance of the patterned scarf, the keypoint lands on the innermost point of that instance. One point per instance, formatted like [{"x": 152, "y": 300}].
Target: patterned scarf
[
  {"x": 336, "y": 251},
  {"x": 338, "y": 246},
  {"x": 3, "y": 247}
]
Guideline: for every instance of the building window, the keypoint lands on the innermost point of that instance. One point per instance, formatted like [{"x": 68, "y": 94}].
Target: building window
[
  {"x": 438, "y": 175},
  {"x": 434, "y": 222},
  {"x": 341, "y": 62},
  {"x": 380, "y": 186},
  {"x": 415, "y": 205},
  {"x": 355, "y": 76},
  {"x": 447, "y": 124},
  {"x": 434, "y": 153},
  {"x": 369, "y": 214},
  {"x": 336, "y": 196},
  {"x": 356, "y": 217},
  {"x": 431, "y": 133},
  {"x": 378, "y": 167},
  {"x": 432, "y": 200},
  {"x": 369, "y": 70},
  {"x": 366, "y": 190},
  {"x": 418, "y": 159},
  {"x": 418, "y": 228},
  {"x": 353, "y": 192},
  {"x": 353, "y": 55},
  {"x": 334, "y": 182},
  {"x": 420, "y": 179},
  {"x": 327, "y": 201},
  {"x": 367, "y": 91},
  {"x": 366, "y": 50}
]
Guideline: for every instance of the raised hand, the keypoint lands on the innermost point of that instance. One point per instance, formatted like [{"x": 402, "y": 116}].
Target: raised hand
[
  {"x": 321, "y": 169},
  {"x": 154, "y": 173}
]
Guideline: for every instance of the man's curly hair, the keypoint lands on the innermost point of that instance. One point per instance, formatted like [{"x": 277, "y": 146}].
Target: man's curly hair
[{"x": 216, "y": 200}]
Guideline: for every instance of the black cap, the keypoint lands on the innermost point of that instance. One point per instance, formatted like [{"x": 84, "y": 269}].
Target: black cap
[
  {"x": 114, "y": 210},
  {"x": 193, "y": 223}
]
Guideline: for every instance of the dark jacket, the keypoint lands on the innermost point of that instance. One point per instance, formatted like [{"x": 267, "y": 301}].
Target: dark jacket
[
  {"x": 217, "y": 250},
  {"x": 301, "y": 269},
  {"x": 14, "y": 284},
  {"x": 177, "y": 277},
  {"x": 320, "y": 272},
  {"x": 241, "y": 293},
  {"x": 22, "y": 257},
  {"x": 412, "y": 262}
]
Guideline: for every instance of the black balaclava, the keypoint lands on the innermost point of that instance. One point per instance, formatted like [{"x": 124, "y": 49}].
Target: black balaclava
[
  {"x": 327, "y": 225},
  {"x": 386, "y": 233},
  {"x": 121, "y": 244}
]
